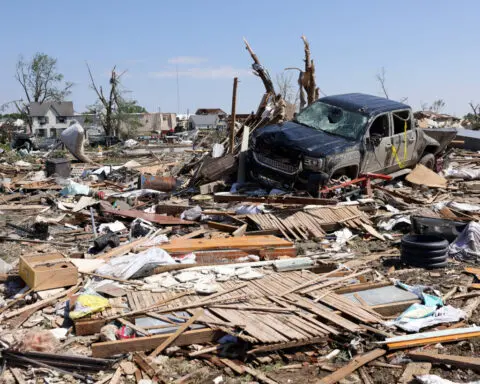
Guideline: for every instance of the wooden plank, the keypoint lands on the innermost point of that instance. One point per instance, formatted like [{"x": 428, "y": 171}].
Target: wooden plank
[
  {"x": 193, "y": 234},
  {"x": 177, "y": 333},
  {"x": 152, "y": 217},
  {"x": 352, "y": 366},
  {"x": 240, "y": 369},
  {"x": 243, "y": 242},
  {"x": 222, "y": 198},
  {"x": 462, "y": 362},
  {"x": 414, "y": 369},
  {"x": 290, "y": 344},
  {"x": 40, "y": 304},
  {"x": 122, "y": 249},
  {"x": 259, "y": 375},
  {"x": 111, "y": 348},
  {"x": 222, "y": 227},
  {"x": 144, "y": 363},
  {"x": 393, "y": 309},
  {"x": 20, "y": 207}
]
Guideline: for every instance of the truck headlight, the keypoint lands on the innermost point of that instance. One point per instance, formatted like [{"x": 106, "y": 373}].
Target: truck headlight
[{"x": 313, "y": 163}]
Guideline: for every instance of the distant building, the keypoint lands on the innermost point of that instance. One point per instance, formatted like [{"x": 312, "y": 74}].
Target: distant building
[
  {"x": 203, "y": 122},
  {"x": 49, "y": 119},
  {"x": 212, "y": 111},
  {"x": 151, "y": 123}
]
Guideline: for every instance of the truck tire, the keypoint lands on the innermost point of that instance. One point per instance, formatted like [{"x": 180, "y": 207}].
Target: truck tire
[
  {"x": 428, "y": 160},
  {"x": 423, "y": 242},
  {"x": 424, "y": 251},
  {"x": 314, "y": 184}
]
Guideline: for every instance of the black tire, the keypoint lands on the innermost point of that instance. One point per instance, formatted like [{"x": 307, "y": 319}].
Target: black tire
[
  {"x": 424, "y": 253},
  {"x": 422, "y": 264},
  {"x": 428, "y": 161},
  {"x": 424, "y": 242},
  {"x": 432, "y": 260}
]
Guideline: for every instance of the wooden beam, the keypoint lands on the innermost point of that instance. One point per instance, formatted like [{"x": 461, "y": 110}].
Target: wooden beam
[
  {"x": 177, "y": 333},
  {"x": 243, "y": 242},
  {"x": 111, "y": 348},
  {"x": 462, "y": 362},
  {"x": 290, "y": 344},
  {"x": 352, "y": 366},
  {"x": 123, "y": 249}
]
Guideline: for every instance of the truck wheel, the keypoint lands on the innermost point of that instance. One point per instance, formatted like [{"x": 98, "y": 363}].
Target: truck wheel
[
  {"x": 428, "y": 161},
  {"x": 314, "y": 184}
]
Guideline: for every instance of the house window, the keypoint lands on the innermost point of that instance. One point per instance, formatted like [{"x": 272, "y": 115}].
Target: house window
[
  {"x": 43, "y": 120},
  {"x": 41, "y": 132},
  {"x": 165, "y": 117},
  {"x": 61, "y": 119}
]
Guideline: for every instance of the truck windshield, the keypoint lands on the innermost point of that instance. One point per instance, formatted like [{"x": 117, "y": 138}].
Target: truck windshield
[{"x": 332, "y": 119}]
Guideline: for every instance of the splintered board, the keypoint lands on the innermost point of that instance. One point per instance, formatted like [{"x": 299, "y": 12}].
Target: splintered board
[{"x": 244, "y": 242}]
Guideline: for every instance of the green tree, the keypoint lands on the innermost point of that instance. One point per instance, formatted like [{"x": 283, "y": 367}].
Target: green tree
[
  {"x": 40, "y": 82},
  {"x": 40, "y": 79}
]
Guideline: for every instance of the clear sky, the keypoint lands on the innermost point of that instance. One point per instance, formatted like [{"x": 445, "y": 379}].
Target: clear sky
[{"x": 428, "y": 48}]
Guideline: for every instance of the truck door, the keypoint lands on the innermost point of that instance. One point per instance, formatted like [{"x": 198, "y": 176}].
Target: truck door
[
  {"x": 403, "y": 140},
  {"x": 378, "y": 145}
]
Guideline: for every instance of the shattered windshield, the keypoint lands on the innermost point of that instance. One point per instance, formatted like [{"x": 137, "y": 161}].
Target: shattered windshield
[{"x": 332, "y": 119}]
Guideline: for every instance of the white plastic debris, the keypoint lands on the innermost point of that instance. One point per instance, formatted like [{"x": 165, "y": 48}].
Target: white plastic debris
[
  {"x": 192, "y": 213},
  {"x": 130, "y": 143},
  {"x": 184, "y": 277},
  {"x": 467, "y": 245},
  {"x": 218, "y": 150},
  {"x": 343, "y": 235},
  {"x": 392, "y": 222},
  {"x": 423, "y": 317},
  {"x": 73, "y": 137},
  {"x": 462, "y": 173},
  {"x": 206, "y": 288},
  {"x": 73, "y": 188},
  {"x": 434, "y": 379},
  {"x": 116, "y": 226},
  {"x": 135, "y": 265}
]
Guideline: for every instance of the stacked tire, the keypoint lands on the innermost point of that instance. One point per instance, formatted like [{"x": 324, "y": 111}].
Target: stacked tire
[{"x": 424, "y": 251}]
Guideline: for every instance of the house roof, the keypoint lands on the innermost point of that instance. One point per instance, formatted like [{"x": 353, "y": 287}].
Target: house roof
[
  {"x": 64, "y": 108},
  {"x": 204, "y": 119},
  {"x": 367, "y": 104},
  {"x": 210, "y": 111}
]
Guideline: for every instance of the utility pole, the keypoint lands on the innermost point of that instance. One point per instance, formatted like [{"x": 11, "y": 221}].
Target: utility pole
[{"x": 232, "y": 116}]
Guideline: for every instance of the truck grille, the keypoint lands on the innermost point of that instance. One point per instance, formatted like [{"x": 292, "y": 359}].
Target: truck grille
[{"x": 275, "y": 164}]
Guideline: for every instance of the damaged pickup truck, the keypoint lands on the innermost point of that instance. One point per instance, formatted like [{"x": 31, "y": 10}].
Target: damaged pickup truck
[{"x": 351, "y": 135}]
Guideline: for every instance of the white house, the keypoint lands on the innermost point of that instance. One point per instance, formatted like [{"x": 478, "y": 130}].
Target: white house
[{"x": 49, "y": 119}]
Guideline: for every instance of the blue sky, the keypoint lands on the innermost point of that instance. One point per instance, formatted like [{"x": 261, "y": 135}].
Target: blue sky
[{"x": 429, "y": 49}]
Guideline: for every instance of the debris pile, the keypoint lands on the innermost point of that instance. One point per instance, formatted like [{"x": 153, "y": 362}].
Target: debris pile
[{"x": 175, "y": 267}]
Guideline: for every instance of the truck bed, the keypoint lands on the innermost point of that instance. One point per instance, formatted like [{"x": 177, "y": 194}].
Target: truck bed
[{"x": 443, "y": 135}]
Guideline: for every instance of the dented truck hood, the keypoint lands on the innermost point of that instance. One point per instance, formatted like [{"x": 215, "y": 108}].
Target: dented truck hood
[{"x": 294, "y": 140}]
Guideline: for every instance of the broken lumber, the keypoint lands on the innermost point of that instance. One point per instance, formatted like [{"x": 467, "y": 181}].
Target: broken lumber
[
  {"x": 443, "y": 336},
  {"x": 462, "y": 362},
  {"x": 295, "y": 200},
  {"x": 412, "y": 370},
  {"x": 352, "y": 366},
  {"x": 182, "y": 328},
  {"x": 139, "y": 344},
  {"x": 243, "y": 242},
  {"x": 152, "y": 217}
]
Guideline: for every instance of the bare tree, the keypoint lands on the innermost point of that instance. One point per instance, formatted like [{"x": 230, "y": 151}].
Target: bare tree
[
  {"x": 285, "y": 87},
  {"x": 475, "y": 109},
  {"x": 424, "y": 106},
  {"x": 116, "y": 112},
  {"x": 381, "y": 78},
  {"x": 437, "y": 105},
  {"x": 306, "y": 79},
  {"x": 109, "y": 105}
]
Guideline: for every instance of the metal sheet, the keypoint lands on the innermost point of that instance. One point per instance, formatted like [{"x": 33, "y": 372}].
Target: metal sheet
[{"x": 384, "y": 295}]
